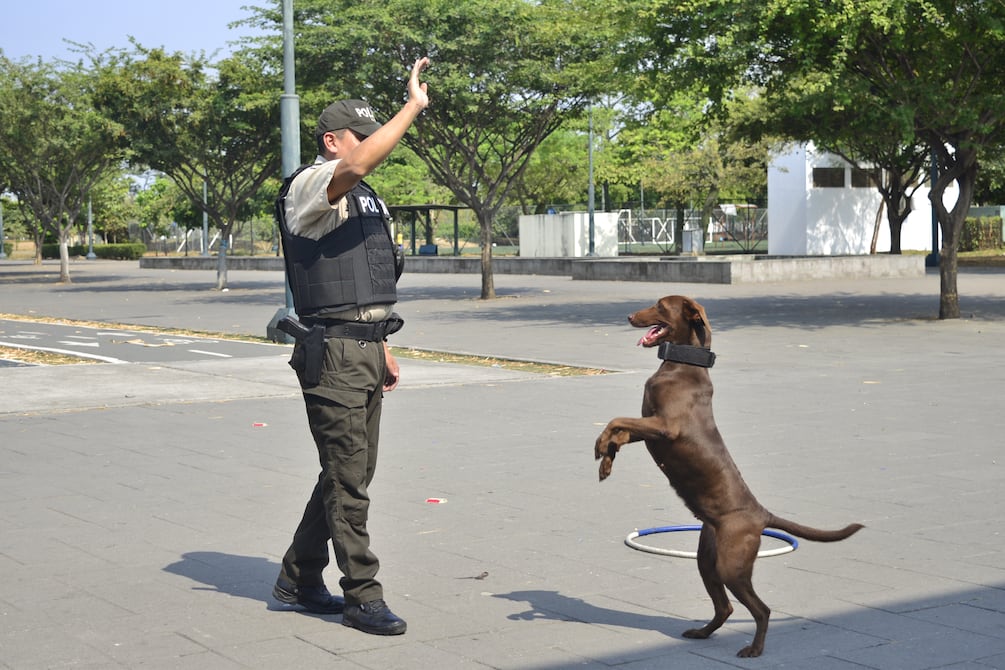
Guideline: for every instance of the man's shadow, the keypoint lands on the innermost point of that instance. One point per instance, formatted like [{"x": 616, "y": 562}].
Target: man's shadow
[
  {"x": 553, "y": 606},
  {"x": 253, "y": 576},
  {"x": 249, "y": 577}
]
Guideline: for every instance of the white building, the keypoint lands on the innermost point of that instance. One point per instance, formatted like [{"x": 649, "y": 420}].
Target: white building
[
  {"x": 567, "y": 234},
  {"x": 818, "y": 205}
]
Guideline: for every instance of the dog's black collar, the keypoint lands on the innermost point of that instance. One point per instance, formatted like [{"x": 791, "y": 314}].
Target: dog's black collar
[{"x": 684, "y": 353}]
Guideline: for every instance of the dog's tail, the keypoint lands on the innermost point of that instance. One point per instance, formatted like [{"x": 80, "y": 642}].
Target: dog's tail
[{"x": 813, "y": 534}]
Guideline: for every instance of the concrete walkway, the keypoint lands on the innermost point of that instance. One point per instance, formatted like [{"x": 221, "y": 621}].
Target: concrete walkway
[{"x": 144, "y": 507}]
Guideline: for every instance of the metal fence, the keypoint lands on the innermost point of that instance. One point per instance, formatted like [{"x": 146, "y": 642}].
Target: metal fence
[
  {"x": 743, "y": 227},
  {"x": 258, "y": 238}
]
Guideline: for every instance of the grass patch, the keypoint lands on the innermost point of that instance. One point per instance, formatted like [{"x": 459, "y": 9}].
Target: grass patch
[
  {"x": 994, "y": 258},
  {"x": 33, "y": 357},
  {"x": 127, "y": 326},
  {"x": 552, "y": 369}
]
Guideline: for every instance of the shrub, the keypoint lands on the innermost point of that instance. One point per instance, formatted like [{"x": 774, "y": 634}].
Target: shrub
[
  {"x": 117, "y": 252},
  {"x": 121, "y": 252},
  {"x": 981, "y": 233}
]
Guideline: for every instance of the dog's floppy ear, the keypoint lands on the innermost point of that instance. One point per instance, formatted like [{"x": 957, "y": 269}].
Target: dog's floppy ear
[{"x": 700, "y": 328}]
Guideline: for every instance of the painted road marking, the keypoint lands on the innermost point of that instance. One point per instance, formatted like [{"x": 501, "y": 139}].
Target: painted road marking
[{"x": 209, "y": 353}]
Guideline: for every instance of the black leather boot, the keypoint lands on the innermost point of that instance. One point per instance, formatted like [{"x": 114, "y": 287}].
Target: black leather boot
[
  {"x": 373, "y": 617},
  {"x": 314, "y": 599}
]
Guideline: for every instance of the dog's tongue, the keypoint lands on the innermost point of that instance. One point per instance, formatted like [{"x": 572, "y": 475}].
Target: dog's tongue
[{"x": 645, "y": 339}]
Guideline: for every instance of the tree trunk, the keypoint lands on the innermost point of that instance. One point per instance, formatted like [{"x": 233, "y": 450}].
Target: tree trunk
[
  {"x": 678, "y": 231},
  {"x": 875, "y": 230},
  {"x": 896, "y": 230},
  {"x": 898, "y": 207},
  {"x": 221, "y": 264},
  {"x": 949, "y": 298},
  {"x": 488, "y": 283},
  {"x": 64, "y": 258},
  {"x": 960, "y": 165}
]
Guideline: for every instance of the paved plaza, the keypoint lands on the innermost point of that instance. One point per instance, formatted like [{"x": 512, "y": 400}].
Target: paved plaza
[{"x": 145, "y": 506}]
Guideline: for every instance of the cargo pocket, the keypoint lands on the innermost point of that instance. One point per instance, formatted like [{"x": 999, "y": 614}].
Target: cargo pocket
[{"x": 337, "y": 419}]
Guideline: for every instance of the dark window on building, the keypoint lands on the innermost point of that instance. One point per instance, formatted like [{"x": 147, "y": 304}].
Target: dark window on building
[
  {"x": 828, "y": 177},
  {"x": 864, "y": 178}
]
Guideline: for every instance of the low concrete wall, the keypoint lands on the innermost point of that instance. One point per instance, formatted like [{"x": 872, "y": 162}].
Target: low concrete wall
[
  {"x": 697, "y": 270},
  {"x": 209, "y": 263},
  {"x": 504, "y": 265},
  {"x": 780, "y": 268},
  {"x": 676, "y": 269}
]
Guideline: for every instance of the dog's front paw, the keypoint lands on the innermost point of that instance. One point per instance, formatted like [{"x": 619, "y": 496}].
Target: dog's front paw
[
  {"x": 600, "y": 447},
  {"x": 606, "y": 464},
  {"x": 606, "y": 448},
  {"x": 604, "y": 451}
]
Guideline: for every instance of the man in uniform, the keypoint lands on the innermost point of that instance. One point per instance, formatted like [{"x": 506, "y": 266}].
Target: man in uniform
[{"x": 342, "y": 270}]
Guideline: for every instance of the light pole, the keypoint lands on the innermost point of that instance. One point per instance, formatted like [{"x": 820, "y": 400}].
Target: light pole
[
  {"x": 205, "y": 221},
  {"x": 590, "y": 191},
  {"x": 932, "y": 259},
  {"x": 2, "y": 253},
  {"x": 90, "y": 233},
  {"x": 289, "y": 126}
]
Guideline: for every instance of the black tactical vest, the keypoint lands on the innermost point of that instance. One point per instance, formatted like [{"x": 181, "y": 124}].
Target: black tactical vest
[{"x": 352, "y": 266}]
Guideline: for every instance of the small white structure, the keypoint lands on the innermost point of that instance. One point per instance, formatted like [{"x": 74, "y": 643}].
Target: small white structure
[
  {"x": 819, "y": 205},
  {"x": 568, "y": 235}
]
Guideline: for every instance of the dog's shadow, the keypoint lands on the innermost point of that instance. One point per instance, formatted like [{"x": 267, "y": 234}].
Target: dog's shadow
[
  {"x": 553, "y": 606},
  {"x": 234, "y": 575}
]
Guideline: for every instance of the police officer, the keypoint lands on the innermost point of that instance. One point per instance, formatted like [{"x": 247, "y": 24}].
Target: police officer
[{"x": 341, "y": 268}]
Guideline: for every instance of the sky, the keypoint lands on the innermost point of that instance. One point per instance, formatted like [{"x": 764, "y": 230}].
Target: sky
[{"x": 33, "y": 28}]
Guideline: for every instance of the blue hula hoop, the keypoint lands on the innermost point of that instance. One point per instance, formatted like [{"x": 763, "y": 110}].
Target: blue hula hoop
[{"x": 791, "y": 542}]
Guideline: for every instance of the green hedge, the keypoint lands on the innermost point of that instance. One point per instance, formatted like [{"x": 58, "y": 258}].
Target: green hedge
[
  {"x": 114, "y": 252},
  {"x": 981, "y": 233},
  {"x": 8, "y": 248}
]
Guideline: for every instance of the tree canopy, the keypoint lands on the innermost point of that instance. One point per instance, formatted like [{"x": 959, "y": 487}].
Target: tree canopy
[
  {"x": 918, "y": 73},
  {"x": 213, "y": 130},
  {"x": 684, "y": 95},
  {"x": 505, "y": 75},
  {"x": 54, "y": 144}
]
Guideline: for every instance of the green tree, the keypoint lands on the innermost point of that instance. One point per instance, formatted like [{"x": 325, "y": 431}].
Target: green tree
[
  {"x": 680, "y": 156},
  {"x": 505, "y": 74},
  {"x": 557, "y": 173},
  {"x": 922, "y": 72},
  {"x": 991, "y": 179},
  {"x": 15, "y": 225},
  {"x": 113, "y": 206},
  {"x": 157, "y": 205},
  {"x": 404, "y": 177},
  {"x": 211, "y": 128},
  {"x": 54, "y": 145}
]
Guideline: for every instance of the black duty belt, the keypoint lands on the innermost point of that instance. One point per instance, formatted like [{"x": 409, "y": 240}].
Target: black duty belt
[{"x": 375, "y": 331}]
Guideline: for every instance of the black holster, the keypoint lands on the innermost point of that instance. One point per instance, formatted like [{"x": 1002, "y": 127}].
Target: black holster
[{"x": 311, "y": 341}]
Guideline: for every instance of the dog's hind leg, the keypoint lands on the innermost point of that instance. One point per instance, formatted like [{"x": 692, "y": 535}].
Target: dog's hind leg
[
  {"x": 744, "y": 592},
  {"x": 737, "y": 553},
  {"x": 707, "y": 558}
]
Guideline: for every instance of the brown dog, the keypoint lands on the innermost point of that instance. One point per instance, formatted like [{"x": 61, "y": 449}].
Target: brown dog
[{"x": 680, "y": 433}]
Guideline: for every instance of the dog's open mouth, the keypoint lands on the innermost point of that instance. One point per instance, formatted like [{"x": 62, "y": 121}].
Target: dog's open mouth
[{"x": 653, "y": 335}]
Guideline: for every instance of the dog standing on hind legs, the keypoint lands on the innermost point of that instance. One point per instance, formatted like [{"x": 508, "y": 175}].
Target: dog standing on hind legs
[{"x": 681, "y": 436}]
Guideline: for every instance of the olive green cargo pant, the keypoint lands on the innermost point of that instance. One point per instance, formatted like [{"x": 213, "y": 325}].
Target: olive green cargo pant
[{"x": 343, "y": 412}]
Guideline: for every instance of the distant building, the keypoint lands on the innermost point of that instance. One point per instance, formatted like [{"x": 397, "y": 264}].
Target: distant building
[
  {"x": 567, "y": 235},
  {"x": 819, "y": 205}
]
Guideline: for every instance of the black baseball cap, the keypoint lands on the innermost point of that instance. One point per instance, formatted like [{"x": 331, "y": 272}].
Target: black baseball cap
[{"x": 356, "y": 115}]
